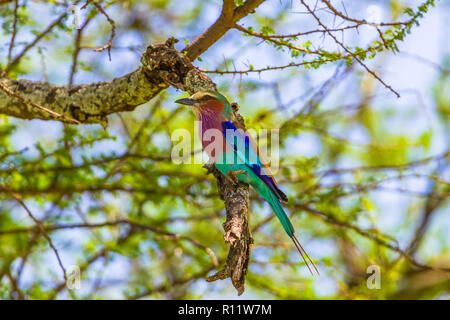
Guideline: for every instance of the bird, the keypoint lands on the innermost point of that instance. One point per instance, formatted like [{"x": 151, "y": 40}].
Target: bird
[{"x": 236, "y": 155}]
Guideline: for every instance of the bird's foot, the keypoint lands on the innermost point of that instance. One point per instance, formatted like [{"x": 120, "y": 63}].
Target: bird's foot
[
  {"x": 209, "y": 166},
  {"x": 232, "y": 176}
]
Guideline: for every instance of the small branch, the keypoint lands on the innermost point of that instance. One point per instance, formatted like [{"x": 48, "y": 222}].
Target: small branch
[
  {"x": 378, "y": 238},
  {"x": 113, "y": 31},
  {"x": 432, "y": 204},
  {"x": 166, "y": 234},
  {"x": 166, "y": 286},
  {"x": 269, "y": 68},
  {"x": 38, "y": 38},
  {"x": 425, "y": 61},
  {"x": 363, "y": 22},
  {"x": 275, "y": 41},
  {"x": 76, "y": 50},
  {"x": 408, "y": 165},
  {"x": 44, "y": 233},
  {"x": 348, "y": 51},
  {"x": 13, "y": 36}
]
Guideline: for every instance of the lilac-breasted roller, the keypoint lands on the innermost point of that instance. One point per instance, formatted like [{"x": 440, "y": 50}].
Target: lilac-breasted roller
[{"x": 236, "y": 155}]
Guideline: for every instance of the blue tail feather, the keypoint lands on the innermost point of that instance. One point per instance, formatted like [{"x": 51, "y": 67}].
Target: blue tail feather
[{"x": 281, "y": 214}]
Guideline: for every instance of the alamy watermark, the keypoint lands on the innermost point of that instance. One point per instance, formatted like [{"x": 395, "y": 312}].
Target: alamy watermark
[
  {"x": 74, "y": 17},
  {"x": 73, "y": 275},
  {"x": 374, "y": 279},
  {"x": 227, "y": 146}
]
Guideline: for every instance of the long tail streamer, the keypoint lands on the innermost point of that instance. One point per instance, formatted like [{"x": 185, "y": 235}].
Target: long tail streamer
[{"x": 300, "y": 250}]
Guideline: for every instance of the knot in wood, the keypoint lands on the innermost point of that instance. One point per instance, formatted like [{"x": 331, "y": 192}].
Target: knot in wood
[{"x": 164, "y": 63}]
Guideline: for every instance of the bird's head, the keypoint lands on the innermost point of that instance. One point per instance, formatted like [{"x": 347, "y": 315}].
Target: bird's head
[{"x": 207, "y": 102}]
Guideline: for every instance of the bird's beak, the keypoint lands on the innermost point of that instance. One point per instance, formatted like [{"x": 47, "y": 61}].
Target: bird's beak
[{"x": 186, "y": 101}]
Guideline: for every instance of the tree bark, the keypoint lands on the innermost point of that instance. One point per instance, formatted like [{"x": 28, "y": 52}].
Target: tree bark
[
  {"x": 84, "y": 103},
  {"x": 236, "y": 226}
]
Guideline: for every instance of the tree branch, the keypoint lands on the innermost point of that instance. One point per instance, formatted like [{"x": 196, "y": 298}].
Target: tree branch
[
  {"x": 44, "y": 233},
  {"x": 91, "y": 103},
  {"x": 229, "y": 16},
  {"x": 83, "y": 103}
]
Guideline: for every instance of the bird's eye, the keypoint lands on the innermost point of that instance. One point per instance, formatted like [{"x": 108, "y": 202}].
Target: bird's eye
[{"x": 206, "y": 98}]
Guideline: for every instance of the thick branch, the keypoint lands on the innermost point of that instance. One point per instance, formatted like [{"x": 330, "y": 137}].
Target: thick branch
[
  {"x": 84, "y": 103},
  {"x": 162, "y": 66}
]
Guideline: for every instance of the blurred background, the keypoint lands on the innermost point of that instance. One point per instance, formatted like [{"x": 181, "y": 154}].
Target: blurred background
[{"x": 366, "y": 172}]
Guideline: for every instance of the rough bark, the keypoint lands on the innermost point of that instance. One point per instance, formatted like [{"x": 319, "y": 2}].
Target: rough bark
[
  {"x": 84, "y": 103},
  {"x": 237, "y": 231},
  {"x": 162, "y": 66}
]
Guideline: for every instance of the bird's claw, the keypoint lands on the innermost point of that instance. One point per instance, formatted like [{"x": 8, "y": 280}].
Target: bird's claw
[{"x": 232, "y": 176}]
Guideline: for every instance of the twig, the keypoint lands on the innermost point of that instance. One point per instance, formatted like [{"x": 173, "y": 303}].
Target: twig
[
  {"x": 384, "y": 167},
  {"x": 229, "y": 16},
  {"x": 76, "y": 50},
  {"x": 348, "y": 51},
  {"x": 147, "y": 227},
  {"x": 270, "y": 68},
  {"x": 113, "y": 31},
  {"x": 13, "y": 35},
  {"x": 36, "y": 40},
  {"x": 332, "y": 219},
  {"x": 44, "y": 233}
]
